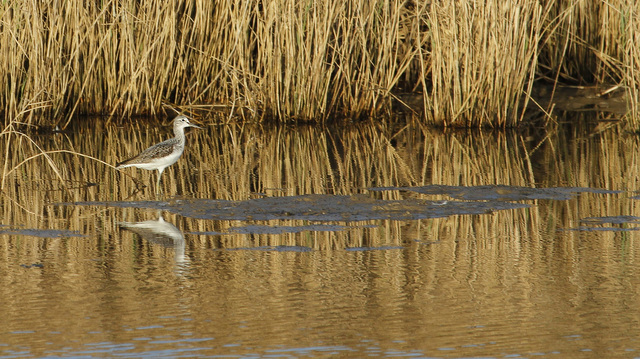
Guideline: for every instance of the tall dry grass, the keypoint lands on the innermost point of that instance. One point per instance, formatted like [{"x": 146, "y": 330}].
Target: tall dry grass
[
  {"x": 589, "y": 42},
  {"x": 289, "y": 59},
  {"x": 482, "y": 58},
  {"x": 632, "y": 57},
  {"x": 473, "y": 62},
  {"x": 586, "y": 41}
]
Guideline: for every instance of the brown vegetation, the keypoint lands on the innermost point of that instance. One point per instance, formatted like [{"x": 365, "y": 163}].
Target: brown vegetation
[{"x": 474, "y": 63}]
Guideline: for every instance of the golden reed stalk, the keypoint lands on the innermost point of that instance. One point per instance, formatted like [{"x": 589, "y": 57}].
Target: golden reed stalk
[{"x": 473, "y": 63}]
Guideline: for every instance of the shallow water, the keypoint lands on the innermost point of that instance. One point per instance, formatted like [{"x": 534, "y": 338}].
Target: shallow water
[{"x": 368, "y": 241}]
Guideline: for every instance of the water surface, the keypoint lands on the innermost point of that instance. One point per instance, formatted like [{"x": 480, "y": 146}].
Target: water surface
[{"x": 362, "y": 241}]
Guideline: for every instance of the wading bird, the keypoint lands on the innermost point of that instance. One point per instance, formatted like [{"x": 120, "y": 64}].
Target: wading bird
[{"x": 164, "y": 154}]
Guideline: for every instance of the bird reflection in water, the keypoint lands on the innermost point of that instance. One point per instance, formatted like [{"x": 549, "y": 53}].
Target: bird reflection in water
[{"x": 162, "y": 233}]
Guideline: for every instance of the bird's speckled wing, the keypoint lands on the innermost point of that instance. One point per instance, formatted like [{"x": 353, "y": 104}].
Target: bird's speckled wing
[{"x": 159, "y": 150}]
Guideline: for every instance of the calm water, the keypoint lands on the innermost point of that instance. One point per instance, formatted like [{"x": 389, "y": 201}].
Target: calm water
[{"x": 368, "y": 241}]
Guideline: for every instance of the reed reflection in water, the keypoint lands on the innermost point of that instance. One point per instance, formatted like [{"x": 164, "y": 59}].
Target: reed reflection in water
[{"x": 518, "y": 281}]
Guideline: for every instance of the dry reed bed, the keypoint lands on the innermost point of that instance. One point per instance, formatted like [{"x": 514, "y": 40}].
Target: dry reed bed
[{"x": 474, "y": 62}]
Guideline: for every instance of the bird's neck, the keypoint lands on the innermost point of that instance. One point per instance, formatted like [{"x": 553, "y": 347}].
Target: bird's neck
[{"x": 179, "y": 132}]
